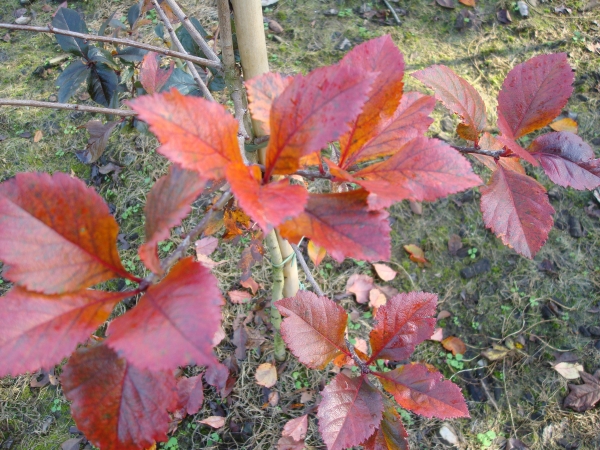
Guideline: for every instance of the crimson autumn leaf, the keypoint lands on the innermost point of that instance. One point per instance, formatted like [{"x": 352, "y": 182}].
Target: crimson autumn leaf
[
  {"x": 403, "y": 322},
  {"x": 423, "y": 170},
  {"x": 268, "y": 205},
  {"x": 350, "y": 411},
  {"x": 195, "y": 133},
  {"x": 174, "y": 322},
  {"x": 532, "y": 95},
  {"x": 313, "y": 110},
  {"x": 168, "y": 202},
  {"x": 583, "y": 396},
  {"x": 40, "y": 330},
  {"x": 458, "y": 96},
  {"x": 343, "y": 225},
  {"x": 377, "y": 56},
  {"x": 262, "y": 91},
  {"x": 516, "y": 208},
  {"x": 409, "y": 121},
  {"x": 567, "y": 160},
  {"x": 190, "y": 394},
  {"x": 313, "y": 328},
  {"x": 390, "y": 435},
  {"x": 423, "y": 391},
  {"x": 116, "y": 405},
  {"x": 152, "y": 77},
  {"x": 56, "y": 235}
]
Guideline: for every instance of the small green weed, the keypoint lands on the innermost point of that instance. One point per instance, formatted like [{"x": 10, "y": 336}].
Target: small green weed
[
  {"x": 486, "y": 439},
  {"x": 472, "y": 253},
  {"x": 171, "y": 444},
  {"x": 454, "y": 361}
]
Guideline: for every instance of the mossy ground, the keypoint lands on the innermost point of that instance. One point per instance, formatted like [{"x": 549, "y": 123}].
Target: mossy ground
[{"x": 507, "y": 301}]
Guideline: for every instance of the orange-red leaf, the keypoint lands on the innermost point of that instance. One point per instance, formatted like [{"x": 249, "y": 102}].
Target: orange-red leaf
[
  {"x": 410, "y": 120},
  {"x": 190, "y": 394},
  {"x": 195, "y": 133},
  {"x": 391, "y": 434},
  {"x": 269, "y": 205},
  {"x": 168, "y": 202},
  {"x": 516, "y": 208},
  {"x": 316, "y": 253},
  {"x": 423, "y": 170},
  {"x": 379, "y": 56},
  {"x": 343, "y": 225},
  {"x": 349, "y": 413},
  {"x": 312, "y": 111},
  {"x": 565, "y": 124},
  {"x": 313, "y": 328},
  {"x": 423, "y": 391},
  {"x": 56, "y": 235},
  {"x": 116, "y": 405},
  {"x": 416, "y": 253},
  {"x": 262, "y": 91},
  {"x": 40, "y": 330},
  {"x": 567, "y": 160},
  {"x": 455, "y": 345},
  {"x": 458, "y": 96},
  {"x": 403, "y": 322},
  {"x": 152, "y": 77},
  {"x": 174, "y": 322}
]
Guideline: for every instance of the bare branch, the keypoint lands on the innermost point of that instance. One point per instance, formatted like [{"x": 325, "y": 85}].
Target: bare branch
[
  {"x": 309, "y": 276},
  {"x": 393, "y": 11},
  {"x": 68, "y": 106},
  {"x": 313, "y": 174},
  {"x": 493, "y": 153},
  {"x": 115, "y": 41},
  {"x": 177, "y": 43},
  {"x": 196, "y": 36}
]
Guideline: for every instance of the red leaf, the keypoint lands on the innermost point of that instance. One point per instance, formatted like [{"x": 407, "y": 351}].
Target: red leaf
[
  {"x": 268, "y": 205},
  {"x": 312, "y": 111},
  {"x": 216, "y": 375},
  {"x": 533, "y": 94},
  {"x": 56, "y": 235},
  {"x": 458, "y": 96},
  {"x": 296, "y": 428},
  {"x": 262, "y": 91},
  {"x": 423, "y": 391},
  {"x": 410, "y": 120},
  {"x": 190, "y": 393},
  {"x": 172, "y": 325},
  {"x": 168, "y": 202},
  {"x": 116, "y": 405},
  {"x": 350, "y": 412},
  {"x": 516, "y": 208},
  {"x": 195, "y": 133},
  {"x": 376, "y": 56},
  {"x": 343, "y": 225},
  {"x": 391, "y": 434},
  {"x": 152, "y": 77},
  {"x": 40, "y": 330},
  {"x": 423, "y": 170},
  {"x": 567, "y": 160},
  {"x": 403, "y": 322},
  {"x": 313, "y": 328}
]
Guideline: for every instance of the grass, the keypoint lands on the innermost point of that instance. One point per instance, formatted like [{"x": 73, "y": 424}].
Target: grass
[{"x": 506, "y": 302}]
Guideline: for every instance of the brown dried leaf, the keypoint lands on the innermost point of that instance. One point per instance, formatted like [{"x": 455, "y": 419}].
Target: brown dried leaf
[
  {"x": 239, "y": 297},
  {"x": 213, "y": 421},
  {"x": 99, "y": 135},
  {"x": 376, "y": 298},
  {"x": 360, "y": 285},
  {"x": 454, "y": 244},
  {"x": 266, "y": 375},
  {"x": 455, "y": 345},
  {"x": 416, "y": 253},
  {"x": 385, "y": 272}
]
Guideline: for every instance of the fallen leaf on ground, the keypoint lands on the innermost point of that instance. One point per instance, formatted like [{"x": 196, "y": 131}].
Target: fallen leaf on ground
[
  {"x": 288, "y": 443},
  {"x": 384, "y": 272},
  {"x": 438, "y": 335},
  {"x": 569, "y": 371},
  {"x": 443, "y": 315},
  {"x": 250, "y": 284},
  {"x": 376, "y": 298},
  {"x": 468, "y": 2},
  {"x": 360, "y": 285},
  {"x": 455, "y": 345},
  {"x": 316, "y": 253},
  {"x": 583, "y": 396},
  {"x": 454, "y": 244},
  {"x": 266, "y": 375},
  {"x": 37, "y": 137},
  {"x": 206, "y": 245},
  {"x": 566, "y": 124},
  {"x": 239, "y": 297},
  {"x": 496, "y": 353},
  {"x": 307, "y": 396},
  {"x": 213, "y": 421},
  {"x": 99, "y": 135},
  {"x": 273, "y": 398},
  {"x": 416, "y": 207},
  {"x": 446, "y": 3},
  {"x": 218, "y": 336},
  {"x": 416, "y": 254},
  {"x": 296, "y": 428}
]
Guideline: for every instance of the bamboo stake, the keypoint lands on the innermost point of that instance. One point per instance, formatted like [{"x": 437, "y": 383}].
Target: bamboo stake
[{"x": 115, "y": 41}]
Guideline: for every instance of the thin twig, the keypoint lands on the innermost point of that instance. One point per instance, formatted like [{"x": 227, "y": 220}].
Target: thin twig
[
  {"x": 359, "y": 362},
  {"x": 177, "y": 43},
  {"x": 232, "y": 76},
  {"x": 115, "y": 41},
  {"x": 309, "y": 276},
  {"x": 512, "y": 419},
  {"x": 488, "y": 395},
  {"x": 493, "y": 153},
  {"x": 196, "y": 36},
  {"x": 68, "y": 106},
  {"x": 396, "y": 18},
  {"x": 182, "y": 248},
  {"x": 314, "y": 174},
  {"x": 548, "y": 345}
]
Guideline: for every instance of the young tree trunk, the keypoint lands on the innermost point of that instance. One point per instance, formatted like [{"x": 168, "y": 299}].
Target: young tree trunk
[{"x": 253, "y": 52}]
